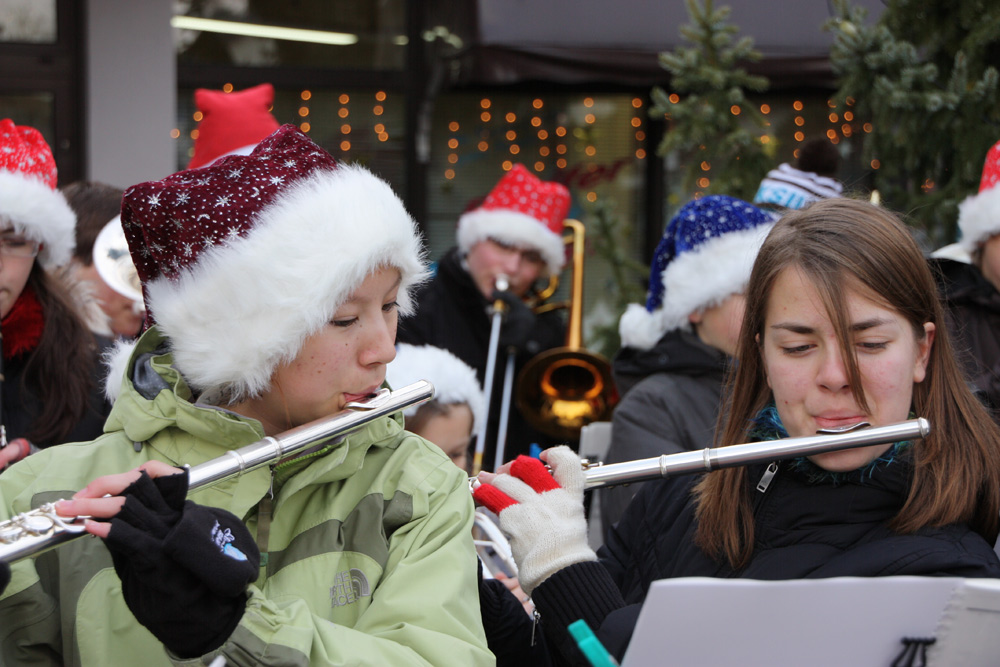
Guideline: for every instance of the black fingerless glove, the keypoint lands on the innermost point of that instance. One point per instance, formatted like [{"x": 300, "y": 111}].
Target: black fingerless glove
[
  {"x": 4, "y": 576},
  {"x": 518, "y": 321},
  {"x": 184, "y": 567}
]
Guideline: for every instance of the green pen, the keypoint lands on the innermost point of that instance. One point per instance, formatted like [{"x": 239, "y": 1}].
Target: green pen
[{"x": 590, "y": 645}]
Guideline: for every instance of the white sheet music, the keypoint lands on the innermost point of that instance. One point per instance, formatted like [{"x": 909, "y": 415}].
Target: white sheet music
[
  {"x": 969, "y": 634},
  {"x": 818, "y": 622}
]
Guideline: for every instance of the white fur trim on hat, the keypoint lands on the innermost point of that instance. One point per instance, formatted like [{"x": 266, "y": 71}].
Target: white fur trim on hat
[
  {"x": 454, "y": 381},
  {"x": 248, "y": 305},
  {"x": 115, "y": 360},
  {"x": 41, "y": 214},
  {"x": 514, "y": 228},
  {"x": 979, "y": 217},
  {"x": 953, "y": 251},
  {"x": 704, "y": 277},
  {"x": 640, "y": 328}
]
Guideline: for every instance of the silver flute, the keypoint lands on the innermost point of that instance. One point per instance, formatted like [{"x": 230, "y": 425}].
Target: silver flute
[
  {"x": 862, "y": 434},
  {"x": 30, "y": 533},
  {"x": 713, "y": 458}
]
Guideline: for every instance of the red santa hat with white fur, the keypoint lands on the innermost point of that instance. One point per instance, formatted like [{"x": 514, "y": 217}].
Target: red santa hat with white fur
[
  {"x": 240, "y": 262},
  {"x": 521, "y": 210},
  {"x": 29, "y": 200},
  {"x": 979, "y": 214}
]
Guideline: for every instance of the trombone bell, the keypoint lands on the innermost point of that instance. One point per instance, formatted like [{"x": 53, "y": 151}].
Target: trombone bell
[{"x": 562, "y": 390}]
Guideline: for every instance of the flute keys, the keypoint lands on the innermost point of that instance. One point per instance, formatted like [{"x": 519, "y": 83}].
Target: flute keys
[
  {"x": 29, "y": 524},
  {"x": 37, "y": 524},
  {"x": 10, "y": 532}
]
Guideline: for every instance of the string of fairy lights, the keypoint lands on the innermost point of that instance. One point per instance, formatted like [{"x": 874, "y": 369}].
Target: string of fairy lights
[
  {"x": 499, "y": 130},
  {"x": 305, "y": 113},
  {"x": 549, "y": 134}
]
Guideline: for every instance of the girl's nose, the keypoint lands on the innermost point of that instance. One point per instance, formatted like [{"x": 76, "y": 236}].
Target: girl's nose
[{"x": 833, "y": 371}]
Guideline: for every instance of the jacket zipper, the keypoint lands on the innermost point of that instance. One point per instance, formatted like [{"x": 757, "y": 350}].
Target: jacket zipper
[
  {"x": 765, "y": 479},
  {"x": 264, "y": 510}
]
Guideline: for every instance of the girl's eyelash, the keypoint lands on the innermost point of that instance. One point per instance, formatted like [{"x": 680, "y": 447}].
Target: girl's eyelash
[
  {"x": 874, "y": 346},
  {"x": 796, "y": 349},
  {"x": 388, "y": 307}
]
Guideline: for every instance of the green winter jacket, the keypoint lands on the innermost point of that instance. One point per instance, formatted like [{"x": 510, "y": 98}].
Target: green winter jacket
[{"x": 369, "y": 558}]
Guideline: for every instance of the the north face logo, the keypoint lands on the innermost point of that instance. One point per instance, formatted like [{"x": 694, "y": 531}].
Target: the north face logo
[{"x": 348, "y": 587}]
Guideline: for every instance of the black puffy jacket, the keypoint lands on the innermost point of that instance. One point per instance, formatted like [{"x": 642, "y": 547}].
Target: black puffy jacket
[
  {"x": 973, "y": 308},
  {"x": 672, "y": 394},
  {"x": 804, "y": 529}
]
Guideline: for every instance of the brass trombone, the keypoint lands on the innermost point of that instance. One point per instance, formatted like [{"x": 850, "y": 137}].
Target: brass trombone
[{"x": 563, "y": 389}]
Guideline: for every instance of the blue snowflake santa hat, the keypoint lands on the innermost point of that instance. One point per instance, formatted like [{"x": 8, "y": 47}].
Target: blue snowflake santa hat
[
  {"x": 454, "y": 381},
  {"x": 241, "y": 261},
  {"x": 979, "y": 214},
  {"x": 705, "y": 255}
]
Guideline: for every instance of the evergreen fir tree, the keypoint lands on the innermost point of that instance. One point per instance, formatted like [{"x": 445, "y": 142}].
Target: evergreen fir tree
[
  {"x": 924, "y": 77},
  {"x": 608, "y": 235},
  {"x": 711, "y": 124}
]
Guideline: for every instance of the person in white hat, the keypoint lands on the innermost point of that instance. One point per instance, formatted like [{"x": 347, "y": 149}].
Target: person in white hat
[
  {"x": 971, "y": 289},
  {"x": 51, "y": 377},
  {"x": 101, "y": 259},
  {"x": 516, "y": 232},
  {"x": 448, "y": 420},
  {"x": 273, "y": 284}
]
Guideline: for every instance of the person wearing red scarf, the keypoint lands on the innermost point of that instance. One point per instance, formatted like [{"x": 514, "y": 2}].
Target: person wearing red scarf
[{"x": 50, "y": 391}]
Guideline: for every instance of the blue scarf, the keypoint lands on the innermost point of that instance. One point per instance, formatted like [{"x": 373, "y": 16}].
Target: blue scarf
[{"x": 766, "y": 425}]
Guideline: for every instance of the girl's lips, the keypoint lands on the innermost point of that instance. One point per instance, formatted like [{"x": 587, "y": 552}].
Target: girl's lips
[{"x": 836, "y": 422}]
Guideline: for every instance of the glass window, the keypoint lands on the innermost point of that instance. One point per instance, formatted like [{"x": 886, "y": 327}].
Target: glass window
[
  {"x": 594, "y": 144},
  {"x": 363, "y": 127},
  {"x": 349, "y": 34},
  {"x": 794, "y": 118},
  {"x": 28, "y": 21},
  {"x": 34, "y": 109}
]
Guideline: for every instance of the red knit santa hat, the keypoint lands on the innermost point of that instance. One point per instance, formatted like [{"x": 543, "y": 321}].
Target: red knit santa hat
[
  {"x": 29, "y": 200},
  {"x": 979, "y": 214},
  {"x": 232, "y": 123},
  {"x": 243, "y": 260},
  {"x": 521, "y": 210}
]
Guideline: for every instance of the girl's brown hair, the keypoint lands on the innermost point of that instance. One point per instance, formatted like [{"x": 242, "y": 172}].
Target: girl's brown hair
[
  {"x": 842, "y": 244},
  {"x": 59, "y": 372}
]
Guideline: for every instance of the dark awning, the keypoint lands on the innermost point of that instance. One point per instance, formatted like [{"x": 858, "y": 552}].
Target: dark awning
[{"x": 618, "y": 41}]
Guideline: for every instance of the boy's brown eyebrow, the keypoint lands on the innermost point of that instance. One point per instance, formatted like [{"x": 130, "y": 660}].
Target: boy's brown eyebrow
[{"x": 863, "y": 325}]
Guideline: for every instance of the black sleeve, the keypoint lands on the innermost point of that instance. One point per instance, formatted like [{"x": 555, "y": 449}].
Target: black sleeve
[
  {"x": 581, "y": 591},
  {"x": 510, "y": 633}
]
